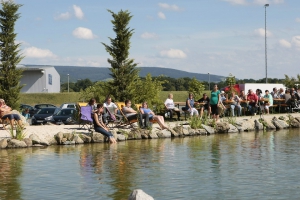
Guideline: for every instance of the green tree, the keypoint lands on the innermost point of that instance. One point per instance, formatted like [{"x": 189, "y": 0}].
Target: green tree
[
  {"x": 195, "y": 87},
  {"x": 124, "y": 71},
  {"x": 10, "y": 75}
]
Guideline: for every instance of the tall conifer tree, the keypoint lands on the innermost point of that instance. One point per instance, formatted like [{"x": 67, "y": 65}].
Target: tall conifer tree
[
  {"x": 123, "y": 70},
  {"x": 10, "y": 75}
]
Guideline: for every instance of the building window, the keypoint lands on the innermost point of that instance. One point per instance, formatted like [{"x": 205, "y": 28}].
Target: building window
[{"x": 50, "y": 79}]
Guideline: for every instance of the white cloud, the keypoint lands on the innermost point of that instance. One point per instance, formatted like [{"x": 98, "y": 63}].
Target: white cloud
[
  {"x": 147, "y": 35},
  {"x": 63, "y": 16},
  {"x": 161, "y": 15},
  {"x": 34, "y": 52},
  {"x": 173, "y": 53},
  {"x": 297, "y": 20},
  {"x": 78, "y": 12},
  {"x": 296, "y": 41},
  {"x": 169, "y": 7},
  {"x": 285, "y": 43},
  {"x": 237, "y": 2},
  {"x": 84, "y": 33},
  {"x": 261, "y": 32}
]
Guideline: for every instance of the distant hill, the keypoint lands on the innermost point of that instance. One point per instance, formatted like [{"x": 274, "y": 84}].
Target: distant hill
[{"x": 102, "y": 73}]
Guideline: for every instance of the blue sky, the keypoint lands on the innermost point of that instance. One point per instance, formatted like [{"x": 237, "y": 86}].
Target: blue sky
[{"x": 202, "y": 36}]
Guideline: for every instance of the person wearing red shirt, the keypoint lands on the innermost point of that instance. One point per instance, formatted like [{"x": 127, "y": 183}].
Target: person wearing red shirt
[{"x": 253, "y": 102}]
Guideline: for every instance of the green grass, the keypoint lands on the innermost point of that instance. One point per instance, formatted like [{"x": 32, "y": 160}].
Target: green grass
[{"x": 59, "y": 98}]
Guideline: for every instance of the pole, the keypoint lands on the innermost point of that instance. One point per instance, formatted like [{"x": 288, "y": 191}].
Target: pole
[
  {"x": 266, "y": 62},
  {"x": 208, "y": 81},
  {"x": 68, "y": 83}
]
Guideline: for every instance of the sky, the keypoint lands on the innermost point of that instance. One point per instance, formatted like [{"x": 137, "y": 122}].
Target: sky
[{"x": 202, "y": 36}]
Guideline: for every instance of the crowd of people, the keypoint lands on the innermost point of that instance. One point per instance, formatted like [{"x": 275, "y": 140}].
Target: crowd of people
[{"x": 252, "y": 101}]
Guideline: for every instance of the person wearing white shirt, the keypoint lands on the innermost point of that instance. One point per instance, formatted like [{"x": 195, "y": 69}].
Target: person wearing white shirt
[{"x": 169, "y": 103}]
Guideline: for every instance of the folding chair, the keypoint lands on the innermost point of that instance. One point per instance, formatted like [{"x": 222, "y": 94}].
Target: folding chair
[
  {"x": 86, "y": 117},
  {"x": 115, "y": 119},
  {"x": 120, "y": 107}
]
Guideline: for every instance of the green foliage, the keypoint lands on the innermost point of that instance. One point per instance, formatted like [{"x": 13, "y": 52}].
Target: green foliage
[
  {"x": 281, "y": 118},
  {"x": 289, "y": 120},
  {"x": 263, "y": 122},
  {"x": 195, "y": 87},
  {"x": 77, "y": 86},
  {"x": 99, "y": 91},
  {"x": 123, "y": 70},
  {"x": 10, "y": 76},
  {"x": 231, "y": 120},
  {"x": 195, "y": 122},
  {"x": 230, "y": 81},
  {"x": 291, "y": 82},
  {"x": 20, "y": 135},
  {"x": 148, "y": 90}
]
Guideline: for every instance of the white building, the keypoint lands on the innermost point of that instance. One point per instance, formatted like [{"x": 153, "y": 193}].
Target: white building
[{"x": 39, "y": 79}]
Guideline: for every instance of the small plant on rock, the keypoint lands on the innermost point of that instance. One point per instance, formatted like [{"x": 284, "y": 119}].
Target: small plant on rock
[
  {"x": 263, "y": 122},
  {"x": 20, "y": 135},
  {"x": 289, "y": 120},
  {"x": 195, "y": 122},
  {"x": 281, "y": 118}
]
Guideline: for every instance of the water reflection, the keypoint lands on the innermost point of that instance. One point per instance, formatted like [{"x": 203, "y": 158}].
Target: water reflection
[{"x": 235, "y": 166}]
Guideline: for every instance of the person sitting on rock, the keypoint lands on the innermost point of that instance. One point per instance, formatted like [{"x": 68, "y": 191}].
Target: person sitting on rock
[
  {"x": 160, "y": 119},
  {"x": 99, "y": 126}
]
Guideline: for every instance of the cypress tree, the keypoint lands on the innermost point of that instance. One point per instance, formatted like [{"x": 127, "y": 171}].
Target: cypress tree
[
  {"x": 9, "y": 74},
  {"x": 123, "y": 70}
]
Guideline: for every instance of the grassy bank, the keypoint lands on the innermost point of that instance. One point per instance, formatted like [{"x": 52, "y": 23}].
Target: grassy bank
[{"x": 59, "y": 98}]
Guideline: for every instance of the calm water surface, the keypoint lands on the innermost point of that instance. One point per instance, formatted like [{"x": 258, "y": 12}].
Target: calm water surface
[{"x": 235, "y": 166}]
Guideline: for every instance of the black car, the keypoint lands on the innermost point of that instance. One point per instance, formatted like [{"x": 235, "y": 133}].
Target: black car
[
  {"x": 31, "y": 110},
  {"x": 65, "y": 116},
  {"x": 44, "y": 115}
]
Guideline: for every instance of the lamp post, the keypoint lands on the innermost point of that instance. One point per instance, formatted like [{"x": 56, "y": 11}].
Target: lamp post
[
  {"x": 208, "y": 81},
  {"x": 266, "y": 5},
  {"x": 68, "y": 83}
]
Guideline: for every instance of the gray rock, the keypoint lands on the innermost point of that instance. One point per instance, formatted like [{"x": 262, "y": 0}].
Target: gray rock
[
  {"x": 209, "y": 129},
  {"x": 283, "y": 123},
  {"x": 258, "y": 125},
  {"x": 269, "y": 124},
  {"x": 51, "y": 140},
  {"x": 153, "y": 135},
  {"x": 58, "y": 137},
  {"x": 295, "y": 123},
  {"x": 121, "y": 137},
  {"x": 97, "y": 137},
  {"x": 69, "y": 136},
  {"x": 245, "y": 125},
  {"x": 298, "y": 119},
  {"x": 173, "y": 133},
  {"x": 37, "y": 145},
  {"x": 222, "y": 127},
  {"x": 85, "y": 138},
  {"x": 139, "y": 194},
  {"x": 28, "y": 141},
  {"x": 43, "y": 141},
  {"x": 136, "y": 134},
  {"x": 77, "y": 139},
  {"x": 163, "y": 133},
  {"x": 186, "y": 130},
  {"x": 13, "y": 143},
  {"x": 277, "y": 124},
  {"x": 63, "y": 140},
  {"x": 192, "y": 132},
  {"x": 200, "y": 131},
  {"x": 232, "y": 129},
  {"x": 178, "y": 130},
  {"x": 35, "y": 139},
  {"x": 3, "y": 143}
]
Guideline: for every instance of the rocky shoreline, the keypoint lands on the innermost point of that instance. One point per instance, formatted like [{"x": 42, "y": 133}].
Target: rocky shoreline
[{"x": 41, "y": 136}]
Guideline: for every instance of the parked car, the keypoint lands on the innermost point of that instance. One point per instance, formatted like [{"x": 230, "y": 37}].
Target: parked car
[
  {"x": 23, "y": 107},
  {"x": 68, "y": 105},
  {"x": 44, "y": 105},
  {"x": 64, "y": 116},
  {"x": 44, "y": 115}
]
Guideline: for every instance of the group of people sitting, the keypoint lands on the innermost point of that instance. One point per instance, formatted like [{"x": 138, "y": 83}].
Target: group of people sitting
[
  {"x": 252, "y": 101},
  {"x": 103, "y": 111}
]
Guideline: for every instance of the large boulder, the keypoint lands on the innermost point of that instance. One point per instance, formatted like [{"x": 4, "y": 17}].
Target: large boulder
[
  {"x": 3, "y": 143},
  {"x": 200, "y": 131},
  {"x": 222, "y": 127},
  {"x": 283, "y": 123},
  {"x": 258, "y": 125},
  {"x": 276, "y": 123},
  {"x": 232, "y": 129},
  {"x": 13, "y": 143},
  {"x": 163, "y": 133},
  {"x": 85, "y": 138},
  {"x": 209, "y": 130},
  {"x": 97, "y": 137},
  {"x": 153, "y": 135},
  {"x": 178, "y": 131},
  {"x": 38, "y": 140},
  {"x": 77, "y": 139},
  {"x": 245, "y": 125},
  {"x": 295, "y": 123},
  {"x": 121, "y": 137},
  {"x": 269, "y": 124},
  {"x": 28, "y": 141},
  {"x": 58, "y": 137},
  {"x": 139, "y": 194},
  {"x": 69, "y": 136}
]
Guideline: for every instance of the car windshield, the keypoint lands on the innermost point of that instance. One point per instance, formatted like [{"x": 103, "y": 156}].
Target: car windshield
[
  {"x": 47, "y": 111},
  {"x": 65, "y": 112}
]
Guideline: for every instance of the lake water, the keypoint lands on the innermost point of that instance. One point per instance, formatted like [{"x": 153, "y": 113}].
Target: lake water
[{"x": 236, "y": 166}]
